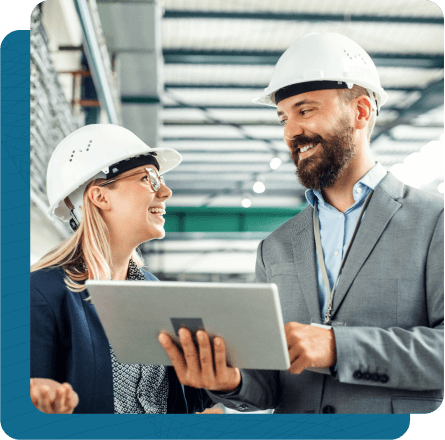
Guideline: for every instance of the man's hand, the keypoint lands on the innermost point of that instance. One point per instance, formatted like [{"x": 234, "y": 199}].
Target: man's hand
[
  {"x": 214, "y": 410},
  {"x": 198, "y": 368},
  {"x": 309, "y": 346},
  {"x": 52, "y": 397}
]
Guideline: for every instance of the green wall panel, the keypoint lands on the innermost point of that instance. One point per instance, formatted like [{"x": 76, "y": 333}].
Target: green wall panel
[{"x": 227, "y": 219}]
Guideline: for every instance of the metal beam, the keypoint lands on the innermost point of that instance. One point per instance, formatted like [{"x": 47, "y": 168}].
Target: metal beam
[
  {"x": 95, "y": 61},
  {"x": 237, "y": 57},
  {"x": 222, "y": 106},
  {"x": 266, "y": 15},
  {"x": 255, "y": 86},
  {"x": 432, "y": 97},
  {"x": 140, "y": 99},
  {"x": 221, "y": 139}
]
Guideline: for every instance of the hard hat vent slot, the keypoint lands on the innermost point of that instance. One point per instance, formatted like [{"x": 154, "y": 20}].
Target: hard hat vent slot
[
  {"x": 80, "y": 151},
  {"x": 355, "y": 54}
]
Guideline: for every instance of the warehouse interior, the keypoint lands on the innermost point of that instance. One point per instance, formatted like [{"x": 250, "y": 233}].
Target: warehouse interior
[{"x": 182, "y": 74}]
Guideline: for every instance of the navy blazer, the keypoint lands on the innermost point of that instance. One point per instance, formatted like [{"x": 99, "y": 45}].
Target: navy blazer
[{"x": 68, "y": 344}]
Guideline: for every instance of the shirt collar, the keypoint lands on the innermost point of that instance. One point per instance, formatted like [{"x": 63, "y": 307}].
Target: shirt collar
[{"x": 367, "y": 183}]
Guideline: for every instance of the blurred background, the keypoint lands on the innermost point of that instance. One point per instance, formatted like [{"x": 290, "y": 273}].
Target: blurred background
[{"x": 183, "y": 73}]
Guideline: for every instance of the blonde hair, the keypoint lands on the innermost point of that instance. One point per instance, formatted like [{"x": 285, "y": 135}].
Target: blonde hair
[
  {"x": 89, "y": 246},
  {"x": 348, "y": 95}
]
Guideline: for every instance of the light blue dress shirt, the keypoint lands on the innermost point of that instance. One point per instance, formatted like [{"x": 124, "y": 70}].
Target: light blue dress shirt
[{"x": 336, "y": 228}]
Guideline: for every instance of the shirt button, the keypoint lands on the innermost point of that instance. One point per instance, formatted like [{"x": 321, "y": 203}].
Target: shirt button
[
  {"x": 341, "y": 215},
  {"x": 359, "y": 190},
  {"x": 336, "y": 253}
]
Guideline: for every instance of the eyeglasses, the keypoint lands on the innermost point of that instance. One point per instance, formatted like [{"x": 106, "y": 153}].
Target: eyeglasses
[{"x": 155, "y": 179}]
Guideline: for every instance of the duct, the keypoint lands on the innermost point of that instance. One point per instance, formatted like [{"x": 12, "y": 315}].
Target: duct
[{"x": 133, "y": 35}]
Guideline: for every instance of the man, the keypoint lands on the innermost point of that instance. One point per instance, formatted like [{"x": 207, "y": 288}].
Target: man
[{"x": 380, "y": 302}]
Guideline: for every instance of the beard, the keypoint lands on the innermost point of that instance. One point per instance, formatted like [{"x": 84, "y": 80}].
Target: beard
[{"x": 322, "y": 170}]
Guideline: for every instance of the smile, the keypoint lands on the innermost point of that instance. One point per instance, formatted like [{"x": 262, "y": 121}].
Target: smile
[
  {"x": 157, "y": 211},
  {"x": 307, "y": 147}
]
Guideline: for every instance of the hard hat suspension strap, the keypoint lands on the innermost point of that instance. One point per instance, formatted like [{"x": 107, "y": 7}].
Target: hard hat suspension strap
[{"x": 310, "y": 86}]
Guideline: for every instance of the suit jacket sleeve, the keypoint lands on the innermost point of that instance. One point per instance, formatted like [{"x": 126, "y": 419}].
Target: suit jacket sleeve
[
  {"x": 43, "y": 337},
  {"x": 412, "y": 357}
]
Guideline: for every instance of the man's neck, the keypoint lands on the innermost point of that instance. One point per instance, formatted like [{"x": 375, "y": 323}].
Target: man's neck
[{"x": 340, "y": 195}]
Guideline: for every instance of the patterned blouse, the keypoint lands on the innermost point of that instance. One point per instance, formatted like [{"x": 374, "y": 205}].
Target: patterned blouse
[{"x": 138, "y": 388}]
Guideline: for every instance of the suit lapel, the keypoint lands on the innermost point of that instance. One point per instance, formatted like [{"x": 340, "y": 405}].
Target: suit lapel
[
  {"x": 379, "y": 212},
  {"x": 304, "y": 255}
]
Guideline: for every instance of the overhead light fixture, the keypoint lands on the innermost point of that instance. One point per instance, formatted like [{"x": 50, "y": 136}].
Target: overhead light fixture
[
  {"x": 246, "y": 202},
  {"x": 275, "y": 163},
  {"x": 259, "y": 187}
]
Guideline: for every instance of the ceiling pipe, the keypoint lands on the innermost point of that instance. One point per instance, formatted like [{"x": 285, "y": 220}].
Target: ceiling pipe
[{"x": 95, "y": 61}]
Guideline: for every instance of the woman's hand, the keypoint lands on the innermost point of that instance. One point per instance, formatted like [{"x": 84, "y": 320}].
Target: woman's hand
[
  {"x": 198, "y": 368},
  {"x": 52, "y": 397}
]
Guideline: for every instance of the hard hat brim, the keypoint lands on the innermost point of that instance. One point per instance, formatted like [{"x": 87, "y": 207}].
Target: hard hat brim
[{"x": 167, "y": 158}]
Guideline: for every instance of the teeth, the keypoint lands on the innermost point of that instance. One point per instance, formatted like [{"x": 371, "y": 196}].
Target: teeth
[
  {"x": 307, "y": 147},
  {"x": 160, "y": 210}
]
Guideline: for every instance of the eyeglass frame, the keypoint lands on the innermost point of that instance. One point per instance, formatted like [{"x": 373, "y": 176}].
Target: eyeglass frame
[{"x": 150, "y": 172}]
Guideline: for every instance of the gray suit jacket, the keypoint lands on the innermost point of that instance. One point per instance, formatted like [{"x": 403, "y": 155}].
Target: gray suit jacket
[{"x": 390, "y": 295}]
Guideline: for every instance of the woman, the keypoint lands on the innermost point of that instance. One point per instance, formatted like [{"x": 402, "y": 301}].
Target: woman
[{"x": 108, "y": 184}]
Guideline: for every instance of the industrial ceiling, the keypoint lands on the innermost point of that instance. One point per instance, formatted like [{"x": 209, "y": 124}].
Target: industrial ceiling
[{"x": 218, "y": 55}]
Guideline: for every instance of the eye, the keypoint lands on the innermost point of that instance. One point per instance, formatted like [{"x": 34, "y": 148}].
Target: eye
[
  {"x": 282, "y": 121},
  {"x": 303, "y": 112}
]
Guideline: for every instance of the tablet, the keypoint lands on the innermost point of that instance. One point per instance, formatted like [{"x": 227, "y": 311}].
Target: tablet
[{"x": 247, "y": 316}]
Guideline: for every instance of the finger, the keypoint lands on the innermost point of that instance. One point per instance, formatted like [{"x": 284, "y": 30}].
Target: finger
[
  {"x": 206, "y": 358},
  {"x": 220, "y": 358},
  {"x": 294, "y": 352},
  {"x": 227, "y": 378},
  {"x": 288, "y": 333},
  {"x": 59, "y": 401},
  {"x": 190, "y": 353},
  {"x": 175, "y": 355},
  {"x": 45, "y": 400},
  {"x": 291, "y": 330},
  {"x": 297, "y": 366},
  {"x": 72, "y": 399},
  {"x": 35, "y": 395}
]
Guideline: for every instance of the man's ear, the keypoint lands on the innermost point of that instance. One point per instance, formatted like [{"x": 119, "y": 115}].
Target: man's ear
[
  {"x": 364, "y": 111},
  {"x": 98, "y": 196}
]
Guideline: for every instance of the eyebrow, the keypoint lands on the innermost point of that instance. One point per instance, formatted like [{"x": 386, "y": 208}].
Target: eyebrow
[{"x": 299, "y": 104}]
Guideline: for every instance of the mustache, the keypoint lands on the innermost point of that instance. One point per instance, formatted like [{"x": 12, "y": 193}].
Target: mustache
[{"x": 298, "y": 141}]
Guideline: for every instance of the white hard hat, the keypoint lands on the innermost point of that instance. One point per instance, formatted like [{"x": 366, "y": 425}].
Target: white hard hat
[
  {"x": 87, "y": 154},
  {"x": 324, "y": 57}
]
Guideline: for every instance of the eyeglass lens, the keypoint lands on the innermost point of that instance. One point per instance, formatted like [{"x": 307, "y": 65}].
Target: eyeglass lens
[{"x": 155, "y": 179}]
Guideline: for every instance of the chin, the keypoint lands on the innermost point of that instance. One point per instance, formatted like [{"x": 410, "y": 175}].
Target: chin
[{"x": 155, "y": 235}]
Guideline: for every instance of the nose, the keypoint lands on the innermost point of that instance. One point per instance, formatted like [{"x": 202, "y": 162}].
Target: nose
[
  {"x": 164, "y": 192},
  {"x": 292, "y": 129}
]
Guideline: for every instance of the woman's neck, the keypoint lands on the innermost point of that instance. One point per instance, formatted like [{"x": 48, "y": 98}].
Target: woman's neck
[{"x": 120, "y": 260}]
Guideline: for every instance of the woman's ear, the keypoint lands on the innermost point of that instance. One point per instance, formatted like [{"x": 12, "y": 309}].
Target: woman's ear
[
  {"x": 364, "y": 111},
  {"x": 99, "y": 197}
]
